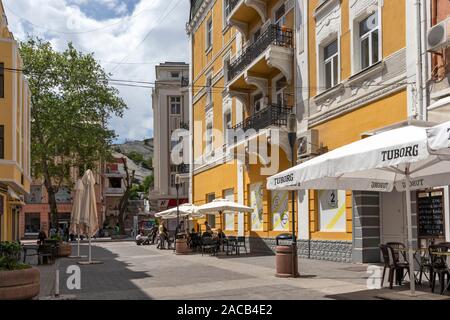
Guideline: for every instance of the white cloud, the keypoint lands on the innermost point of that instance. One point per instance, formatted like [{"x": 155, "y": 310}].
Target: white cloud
[{"x": 160, "y": 22}]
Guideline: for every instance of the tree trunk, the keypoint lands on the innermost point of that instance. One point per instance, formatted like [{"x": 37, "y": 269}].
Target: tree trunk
[{"x": 53, "y": 205}]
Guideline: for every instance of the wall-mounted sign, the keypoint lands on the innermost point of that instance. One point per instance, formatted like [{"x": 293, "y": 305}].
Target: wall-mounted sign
[{"x": 332, "y": 198}]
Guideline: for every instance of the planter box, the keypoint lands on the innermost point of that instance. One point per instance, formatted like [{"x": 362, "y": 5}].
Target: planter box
[
  {"x": 19, "y": 284},
  {"x": 64, "y": 249}
]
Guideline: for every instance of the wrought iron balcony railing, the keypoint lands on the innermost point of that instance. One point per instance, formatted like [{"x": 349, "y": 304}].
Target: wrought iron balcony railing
[
  {"x": 183, "y": 168},
  {"x": 272, "y": 115},
  {"x": 184, "y": 82},
  {"x": 274, "y": 34},
  {"x": 231, "y": 5}
]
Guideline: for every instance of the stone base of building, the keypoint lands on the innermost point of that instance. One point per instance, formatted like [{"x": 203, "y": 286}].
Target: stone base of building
[{"x": 339, "y": 251}]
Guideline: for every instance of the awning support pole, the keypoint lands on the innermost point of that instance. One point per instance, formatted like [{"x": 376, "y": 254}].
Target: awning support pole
[{"x": 412, "y": 278}]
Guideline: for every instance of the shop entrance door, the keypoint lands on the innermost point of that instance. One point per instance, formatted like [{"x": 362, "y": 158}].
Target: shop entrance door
[{"x": 393, "y": 217}]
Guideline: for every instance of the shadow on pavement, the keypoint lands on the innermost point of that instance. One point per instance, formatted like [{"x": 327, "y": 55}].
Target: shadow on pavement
[{"x": 113, "y": 279}]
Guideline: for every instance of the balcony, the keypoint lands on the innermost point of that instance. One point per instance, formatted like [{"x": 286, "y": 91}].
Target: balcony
[
  {"x": 184, "y": 83},
  {"x": 273, "y": 49},
  {"x": 183, "y": 168},
  {"x": 243, "y": 13},
  {"x": 272, "y": 115},
  {"x": 114, "y": 191}
]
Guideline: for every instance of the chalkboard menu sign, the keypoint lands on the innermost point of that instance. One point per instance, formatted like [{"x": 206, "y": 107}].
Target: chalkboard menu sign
[{"x": 430, "y": 214}]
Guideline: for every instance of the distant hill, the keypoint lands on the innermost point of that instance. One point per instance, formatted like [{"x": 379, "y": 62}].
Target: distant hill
[
  {"x": 145, "y": 148},
  {"x": 139, "y": 155}
]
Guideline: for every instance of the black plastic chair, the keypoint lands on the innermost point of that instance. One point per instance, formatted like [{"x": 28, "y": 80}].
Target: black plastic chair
[
  {"x": 209, "y": 245},
  {"x": 438, "y": 266},
  {"x": 240, "y": 243},
  {"x": 230, "y": 244},
  {"x": 46, "y": 254},
  {"x": 395, "y": 267},
  {"x": 397, "y": 246}
]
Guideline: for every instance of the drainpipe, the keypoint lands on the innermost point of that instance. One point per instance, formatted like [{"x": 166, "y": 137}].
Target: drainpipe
[
  {"x": 419, "y": 66},
  {"x": 425, "y": 69},
  {"x": 191, "y": 123}
]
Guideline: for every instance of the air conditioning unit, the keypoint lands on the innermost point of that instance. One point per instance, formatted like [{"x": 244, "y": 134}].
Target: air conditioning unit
[
  {"x": 308, "y": 144},
  {"x": 439, "y": 35}
]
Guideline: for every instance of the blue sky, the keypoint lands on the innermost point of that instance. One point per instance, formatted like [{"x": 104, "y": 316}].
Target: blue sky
[{"x": 114, "y": 30}]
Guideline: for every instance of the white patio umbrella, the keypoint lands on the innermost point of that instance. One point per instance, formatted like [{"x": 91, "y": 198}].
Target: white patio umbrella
[
  {"x": 220, "y": 206},
  {"x": 185, "y": 210},
  {"x": 402, "y": 157},
  {"x": 89, "y": 219},
  {"x": 76, "y": 213}
]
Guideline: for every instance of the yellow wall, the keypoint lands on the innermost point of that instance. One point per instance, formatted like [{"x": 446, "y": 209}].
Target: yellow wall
[{"x": 14, "y": 168}]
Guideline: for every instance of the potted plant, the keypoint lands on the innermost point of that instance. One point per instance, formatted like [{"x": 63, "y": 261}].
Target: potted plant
[
  {"x": 18, "y": 281},
  {"x": 64, "y": 248}
]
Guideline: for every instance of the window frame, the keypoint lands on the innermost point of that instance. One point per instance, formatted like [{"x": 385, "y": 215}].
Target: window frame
[
  {"x": 2, "y": 142},
  {"x": 175, "y": 103},
  {"x": 208, "y": 88},
  {"x": 333, "y": 59},
  {"x": 2, "y": 80},
  {"x": 369, "y": 36},
  {"x": 209, "y": 34}
]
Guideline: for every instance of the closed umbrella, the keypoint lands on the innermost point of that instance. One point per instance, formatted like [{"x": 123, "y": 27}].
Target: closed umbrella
[
  {"x": 407, "y": 158},
  {"x": 89, "y": 218},
  {"x": 76, "y": 213}
]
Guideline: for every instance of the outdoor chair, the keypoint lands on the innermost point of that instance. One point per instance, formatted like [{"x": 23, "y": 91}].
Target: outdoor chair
[
  {"x": 46, "y": 254},
  {"x": 195, "y": 242},
  {"x": 438, "y": 266},
  {"x": 397, "y": 246},
  {"x": 209, "y": 245},
  {"x": 231, "y": 244},
  {"x": 395, "y": 267},
  {"x": 240, "y": 243},
  {"x": 424, "y": 267}
]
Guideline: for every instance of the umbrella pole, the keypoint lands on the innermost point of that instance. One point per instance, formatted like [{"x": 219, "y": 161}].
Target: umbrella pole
[
  {"x": 412, "y": 278},
  {"x": 78, "y": 240},
  {"x": 90, "y": 246}
]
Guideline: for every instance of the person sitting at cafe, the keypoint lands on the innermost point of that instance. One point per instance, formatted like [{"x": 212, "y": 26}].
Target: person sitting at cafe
[
  {"x": 42, "y": 236},
  {"x": 139, "y": 239},
  {"x": 220, "y": 237}
]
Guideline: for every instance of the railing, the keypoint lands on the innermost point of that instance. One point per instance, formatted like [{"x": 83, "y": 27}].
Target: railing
[
  {"x": 232, "y": 4},
  {"x": 184, "y": 125},
  {"x": 274, "y": 34},
  {"x": 184, "y": 82},
  {"x": 114, "y": 190},
  {"x": 183, "y": 168},
  {"x": 272, "y": 115}
]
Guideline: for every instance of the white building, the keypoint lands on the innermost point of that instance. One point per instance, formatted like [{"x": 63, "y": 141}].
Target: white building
[{"x": 170, "y": 112}]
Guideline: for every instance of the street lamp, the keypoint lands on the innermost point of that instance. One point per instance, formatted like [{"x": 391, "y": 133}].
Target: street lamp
[
  {"x": 292, "y": 136},
  {"x": 177, "y": 186}
]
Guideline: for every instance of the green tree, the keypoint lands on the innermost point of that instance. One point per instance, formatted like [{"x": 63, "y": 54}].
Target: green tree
[
  {"x": 72, "y": 102},
  {"x": 147, "y": 183}
]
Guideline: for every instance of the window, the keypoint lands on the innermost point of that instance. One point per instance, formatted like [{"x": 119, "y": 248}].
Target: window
[
  {"x": 280, "y": 16},
  {"x": 280, "y": 87},
  {"x": 257, "y": 102},
  {"x": 369, "y": 41},
  {"x": 175, "y": 75},
  {"x": 226, "y": 10},
  {"x": 2, "y": 80},
  {"x": 256, "y": 35},
  {"x": 2, "y": 142},
  {"x": 209, "y": 137},
  {"x": 209, "y": 30},
  {"x": 227, "y": 124},
  {"x": 32, "y": 223},
  {"x": 175, "y": 105},
  {"x": 115, "y": 183},
  {"x": 331, "y": 62},
  {"x": 208, "y": 90},
  {"x": 210, "y": 217},
  {"x": 226, "y": 67}
]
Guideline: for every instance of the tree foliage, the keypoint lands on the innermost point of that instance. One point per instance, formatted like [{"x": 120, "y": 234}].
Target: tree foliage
[{"x": 71, "y": 105}]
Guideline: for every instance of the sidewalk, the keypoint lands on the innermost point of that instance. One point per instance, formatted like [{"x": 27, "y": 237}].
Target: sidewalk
[{"x": 143, "y": 272}]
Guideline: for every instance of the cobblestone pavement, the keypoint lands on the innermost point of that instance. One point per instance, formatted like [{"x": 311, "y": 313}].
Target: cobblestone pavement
[{"x": 143, "y": 272}]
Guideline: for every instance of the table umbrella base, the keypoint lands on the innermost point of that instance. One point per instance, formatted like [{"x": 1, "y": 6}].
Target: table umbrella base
[{"x": 90, "y": 262}]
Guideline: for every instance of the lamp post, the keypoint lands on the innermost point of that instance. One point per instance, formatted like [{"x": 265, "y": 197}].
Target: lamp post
[
  {"x": 292, "y": 136},
  {"x": 177, "y": 186}
]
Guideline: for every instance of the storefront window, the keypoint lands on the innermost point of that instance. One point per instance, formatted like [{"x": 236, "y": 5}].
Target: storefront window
[
  {"x": 32, "y": 223},
  {"x": 332, "y": 210}
]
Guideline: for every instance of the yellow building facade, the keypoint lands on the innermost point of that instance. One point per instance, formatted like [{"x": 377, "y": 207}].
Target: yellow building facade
[
  {"x": 346, "y": 68},
  {"x": 15, "y": 108}
]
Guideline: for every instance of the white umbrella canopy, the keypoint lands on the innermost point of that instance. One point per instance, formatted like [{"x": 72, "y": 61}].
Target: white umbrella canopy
[
  {"x": 185, "y": 210},
  {"x": 76, "y": 208},
  {"x": 219, "y": 206},
  {"x": 378, "y": 163},
  {"x": 408, "y": 158}
]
